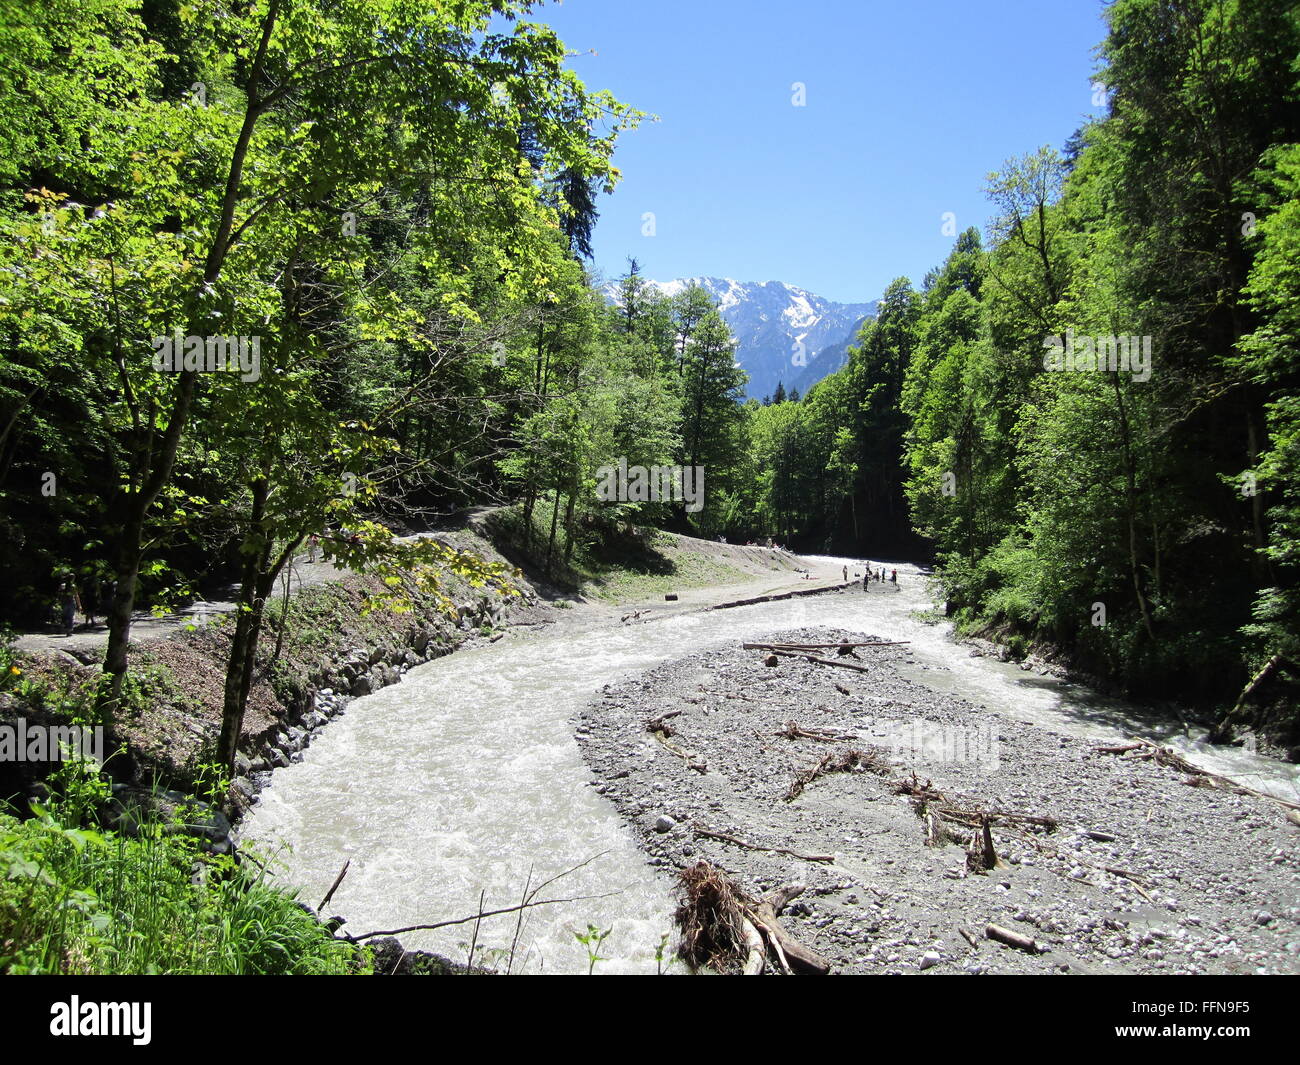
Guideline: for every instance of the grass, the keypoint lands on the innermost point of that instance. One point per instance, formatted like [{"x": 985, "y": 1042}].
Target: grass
[
  {"x": 76, "y": 899},
  {"x": 617, "y": 566}
]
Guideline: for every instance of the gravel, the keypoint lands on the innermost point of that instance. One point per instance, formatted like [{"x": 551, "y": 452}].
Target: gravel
[{"x": 1217, "y": 886}]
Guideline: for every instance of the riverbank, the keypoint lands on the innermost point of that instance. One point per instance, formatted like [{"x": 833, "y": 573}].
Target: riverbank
[
  {"x": 324, "y": 647},
  {"x": 332, "y": 653},
  {"x": 1207, "y": 880}
]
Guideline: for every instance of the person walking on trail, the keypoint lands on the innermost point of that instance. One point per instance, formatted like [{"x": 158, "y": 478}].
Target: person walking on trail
[
  {"x": 893, "y": 576},
  {"x": 313, "y": 542},
  {"x": 846, "y": 574},
  {"x": 69, "y": 604}
]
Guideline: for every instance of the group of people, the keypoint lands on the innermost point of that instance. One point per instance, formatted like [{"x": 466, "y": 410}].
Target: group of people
[
  {"x": 873, "y": 574},
  {"x": 341, "y": 535},
  {"x": 764, "y": 542},
  {"x": 71, "y": 601}
]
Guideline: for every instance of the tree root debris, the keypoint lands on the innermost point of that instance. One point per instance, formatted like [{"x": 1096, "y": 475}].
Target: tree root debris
[
  {"x": 850, "y": 760},
  {"x": 725, "y": 930},
  {"x": 1145, "y": 750}
]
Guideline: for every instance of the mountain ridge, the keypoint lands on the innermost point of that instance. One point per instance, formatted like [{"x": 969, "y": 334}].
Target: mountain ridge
[{"x": 785, "y": 334}]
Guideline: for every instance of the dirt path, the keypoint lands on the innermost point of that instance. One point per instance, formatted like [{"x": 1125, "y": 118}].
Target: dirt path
[
  {"x": 88, "y": 641},
  {"x": 775, "y": 572}
]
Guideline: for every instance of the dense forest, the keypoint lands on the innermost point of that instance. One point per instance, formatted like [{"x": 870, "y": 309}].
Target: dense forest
[
  {"x": 311, "y": 269},
  {"x": 1094, "y": 415},
  {"x": 300, "y": 271}
]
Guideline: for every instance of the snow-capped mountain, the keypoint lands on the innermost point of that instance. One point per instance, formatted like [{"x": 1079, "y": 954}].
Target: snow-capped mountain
[{"x": 784, "y": 334}]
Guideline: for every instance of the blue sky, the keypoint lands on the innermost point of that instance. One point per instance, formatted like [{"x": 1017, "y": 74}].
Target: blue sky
[{"x": 909, "y": 105}]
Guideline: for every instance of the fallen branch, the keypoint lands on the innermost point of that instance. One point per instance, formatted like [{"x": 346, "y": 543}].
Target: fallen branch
[
  {"x": 724, "y": 929},
  {"x": 789, "y": 950},
  {"x": 757, "y": 956},
  {"x": 689, "y": 757},
  {"x": 709, "y": 833},
  {"x": 845, "y": 761},
  {"x": 818, "y": 646},
  {"x": 660, "y": 723},
  {"x": 1222, "y": 732},
  {"x": 710, "y": 918},
  {"x": 1013, "y": 939},
  {"x": 530, "y": 901},
  {"x": 976, "y": 818},
  {"x": 793, "y": 731},
  {"x": 1118, "y": 750},
  {"x": 480, "y": 915},
  {"x": 1163, "y": 756},
  {"x": 334, "y": 886},
  {"x": 980, "y": 853},
  {"x": 820, "y": 661}
]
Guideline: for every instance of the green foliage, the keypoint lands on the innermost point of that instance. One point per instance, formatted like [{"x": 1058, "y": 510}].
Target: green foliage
[
  {"x": 593, "y": 939},
  {"x": 78, "y": 899},
  {"x": 1166, "y": 499}
]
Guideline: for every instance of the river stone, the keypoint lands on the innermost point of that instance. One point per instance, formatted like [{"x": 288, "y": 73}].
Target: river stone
[
  {"x": 664, "y": 823},
  {"x": 215, "y": 826},
  {"x": 363, "y": 685}
]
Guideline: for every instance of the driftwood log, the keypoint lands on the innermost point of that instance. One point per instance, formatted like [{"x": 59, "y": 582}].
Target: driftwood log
[
  {"x": 1013, "y": 939},
  {"x": 800, "y": 958},
  {"x": 709, "y": 833},
  {"x": 818, "y": 646},
  {"x": 1144, "y": 749},
  {"x": 1222, "y": 732},
  {"x": 819, "y": 661}
]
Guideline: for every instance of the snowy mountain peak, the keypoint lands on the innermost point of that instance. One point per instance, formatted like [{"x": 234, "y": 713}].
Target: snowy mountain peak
[{"x": 785, "y": 334}]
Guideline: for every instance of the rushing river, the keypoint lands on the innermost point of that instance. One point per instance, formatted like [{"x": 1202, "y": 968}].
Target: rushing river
[{"x": 466, "y": 778}]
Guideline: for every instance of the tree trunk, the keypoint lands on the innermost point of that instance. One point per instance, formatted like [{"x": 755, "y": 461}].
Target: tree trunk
[
  {"x": 568, "y": 525},
  {"x": 130, "y": 546},
  {"x": 1130, "y": 500},
  {"x": 555, "y": 517},
  {"x": 247, "y": 624},
  {"x": 155, "y": 469}
]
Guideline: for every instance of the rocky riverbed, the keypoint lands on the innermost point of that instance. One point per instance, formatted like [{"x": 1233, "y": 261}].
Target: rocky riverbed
[{"x": 1114, "y": 863}]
